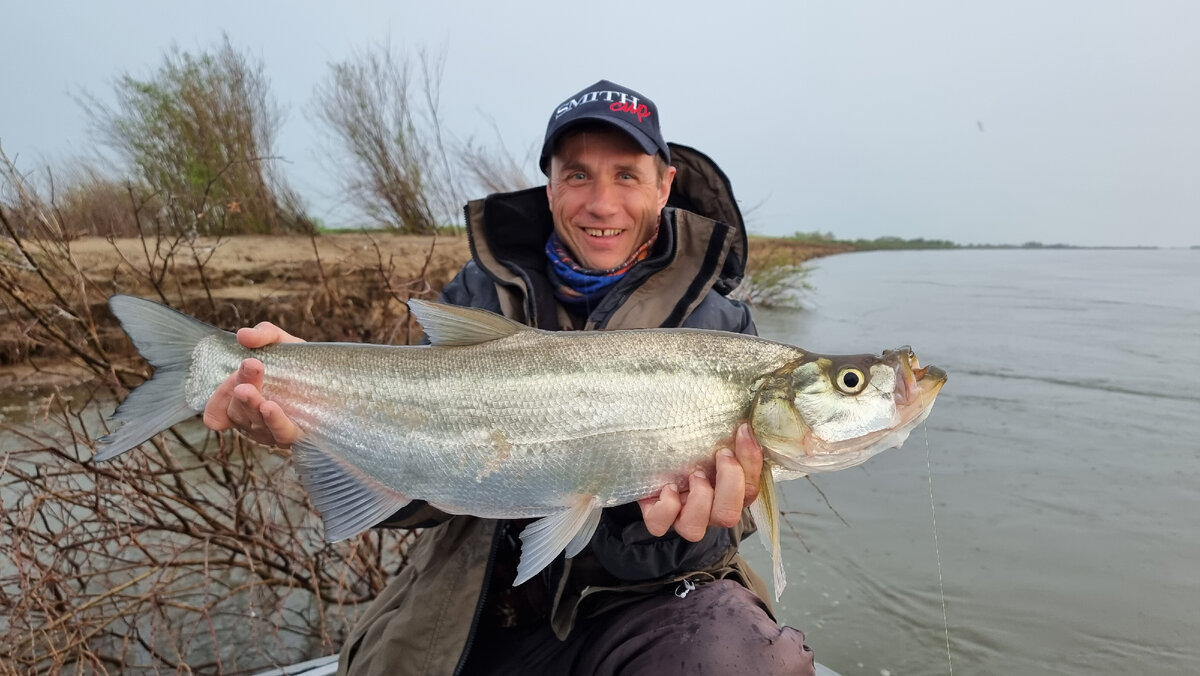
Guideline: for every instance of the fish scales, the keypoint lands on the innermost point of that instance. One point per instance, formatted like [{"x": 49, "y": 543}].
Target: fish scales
[{"x": 534, "y": 418}]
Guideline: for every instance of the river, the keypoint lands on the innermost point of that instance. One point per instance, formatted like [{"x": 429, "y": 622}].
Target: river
[{"x": 1063, "y": 459}]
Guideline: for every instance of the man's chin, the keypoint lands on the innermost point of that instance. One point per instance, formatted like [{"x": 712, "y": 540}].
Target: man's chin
[{"x": 604, "y": 253}]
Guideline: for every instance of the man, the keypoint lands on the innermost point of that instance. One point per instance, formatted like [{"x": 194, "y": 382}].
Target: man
[{"x": 660, "y": 588}]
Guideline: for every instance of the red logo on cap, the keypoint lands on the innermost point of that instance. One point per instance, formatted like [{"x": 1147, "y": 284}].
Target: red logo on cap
[{"x": 641, "y": 110}]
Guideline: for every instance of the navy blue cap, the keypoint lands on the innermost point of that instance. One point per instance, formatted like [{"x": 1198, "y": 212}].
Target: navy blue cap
[{"x": 612, "y": 104}]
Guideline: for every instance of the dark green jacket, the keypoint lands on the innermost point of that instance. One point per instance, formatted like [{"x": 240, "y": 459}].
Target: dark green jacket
[{"x": 425, "y": 620}]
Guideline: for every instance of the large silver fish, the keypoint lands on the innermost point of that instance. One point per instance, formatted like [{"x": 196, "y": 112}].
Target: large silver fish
[{"x": 500, "y": 420}]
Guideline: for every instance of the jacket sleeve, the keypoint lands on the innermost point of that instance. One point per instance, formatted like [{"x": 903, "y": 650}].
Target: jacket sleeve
[
  {"x": 622, "y": 544},
  {"x": 721, "y": 313},
  {"x": 462, "y": 290},
  {"x": 628, "y": 551}
]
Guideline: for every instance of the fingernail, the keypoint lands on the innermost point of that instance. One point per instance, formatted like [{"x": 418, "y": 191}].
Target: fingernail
[
  {"x": 671, "y": 487},
  {"x": 725, "y": 452},
  {"x": 699, "y": 474}
]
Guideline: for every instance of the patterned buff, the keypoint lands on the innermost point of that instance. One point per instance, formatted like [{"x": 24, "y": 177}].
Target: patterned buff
[{"x": 577, "y": 285}]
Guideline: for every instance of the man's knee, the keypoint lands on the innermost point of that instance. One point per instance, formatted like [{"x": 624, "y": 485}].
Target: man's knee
[
  {"x": 734, "y": 631},
  {"x": 719, "y": 628}
]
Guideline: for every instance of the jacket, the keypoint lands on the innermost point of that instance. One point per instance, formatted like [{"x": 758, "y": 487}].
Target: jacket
[{"x": 425, "y": 620}]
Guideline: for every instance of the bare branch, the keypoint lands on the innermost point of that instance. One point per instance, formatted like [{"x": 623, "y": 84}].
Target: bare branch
[{"x": 394, "y": 164}]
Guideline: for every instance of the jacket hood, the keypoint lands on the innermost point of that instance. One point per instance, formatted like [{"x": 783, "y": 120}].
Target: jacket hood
[{"x": 702, "y": 188}]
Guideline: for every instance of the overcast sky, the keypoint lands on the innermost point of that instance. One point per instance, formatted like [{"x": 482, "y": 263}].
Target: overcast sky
[{"x": 1002, "y": 121}]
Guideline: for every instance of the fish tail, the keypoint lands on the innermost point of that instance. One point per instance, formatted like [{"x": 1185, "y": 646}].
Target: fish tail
[{"x": 166, "y": 339}]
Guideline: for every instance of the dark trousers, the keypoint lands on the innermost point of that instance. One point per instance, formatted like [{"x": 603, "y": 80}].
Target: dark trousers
[{"x": 718, "y": 628}]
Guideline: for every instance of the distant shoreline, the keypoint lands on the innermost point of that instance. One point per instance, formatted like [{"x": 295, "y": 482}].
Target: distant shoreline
[
  {"x": 1014, "y": 247},
  {"x": 817, "y": 237}
]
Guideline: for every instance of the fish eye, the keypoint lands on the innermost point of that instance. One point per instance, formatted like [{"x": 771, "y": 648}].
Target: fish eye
[{"x": 850, "y": 380}]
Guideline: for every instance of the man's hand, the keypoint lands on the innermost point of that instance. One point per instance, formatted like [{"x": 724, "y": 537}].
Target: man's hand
[
  {"x": 706, "y": 503},
  {"x": 239, "y": 402}
]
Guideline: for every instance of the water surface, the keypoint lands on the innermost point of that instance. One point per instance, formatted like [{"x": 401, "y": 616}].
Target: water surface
[{"x": 1065, "y": 458}]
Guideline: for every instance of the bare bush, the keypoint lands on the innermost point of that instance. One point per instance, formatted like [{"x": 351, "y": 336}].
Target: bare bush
[
  {"x": 385, "y": 129},
  {"x": 100, "y": 206},
  {"x": 775, "y": 272},
  {"x": 495, "y": 169},
  {"x": 777, "y": 286},
  {"x": 169, "y": 559},
  {"x": 201, "y": 129},
  {"x": 197, "y": 552}
]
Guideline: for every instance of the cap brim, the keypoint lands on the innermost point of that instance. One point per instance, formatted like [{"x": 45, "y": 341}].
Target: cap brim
[{"x": 645, "y": 142}]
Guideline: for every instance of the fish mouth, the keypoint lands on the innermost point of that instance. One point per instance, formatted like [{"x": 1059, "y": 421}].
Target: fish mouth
[{"x": 915, "y": 385}]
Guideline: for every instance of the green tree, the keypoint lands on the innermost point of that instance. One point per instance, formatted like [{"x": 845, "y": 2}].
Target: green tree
[{"x": 200, "y": 131}]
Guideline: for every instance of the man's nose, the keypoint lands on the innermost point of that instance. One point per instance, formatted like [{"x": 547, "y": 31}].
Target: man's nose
[{"x": 603, "y": 199}]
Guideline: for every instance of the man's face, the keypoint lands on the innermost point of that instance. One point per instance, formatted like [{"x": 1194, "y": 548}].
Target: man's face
[{"x": 605, "y": 196}]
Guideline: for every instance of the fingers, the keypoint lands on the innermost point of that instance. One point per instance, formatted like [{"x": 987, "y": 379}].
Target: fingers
[
  {"x": 660, "y": 511},
  {"x": 729, "y": 493},
  {"x": 694, "y": 516},
  {"x": 225, "y": 410},
  {"x": 263, "y": 334},
  {"x": 750, "y": 456},
  {"x": 244, "y": 409},
  {"x": 280, "y": 427},
  {"x": 718, "y": 502},
  {"x": 251, "y": 373},
  {"x": 216, "y": 415},
  {"x": 239, "y": 403}
]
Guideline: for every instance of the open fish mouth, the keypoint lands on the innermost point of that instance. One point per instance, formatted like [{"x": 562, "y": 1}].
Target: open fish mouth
[{"x": 915, "y": 384}]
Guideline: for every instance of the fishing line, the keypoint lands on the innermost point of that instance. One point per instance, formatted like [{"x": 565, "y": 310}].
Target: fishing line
[{"x": 937, "y": 550}]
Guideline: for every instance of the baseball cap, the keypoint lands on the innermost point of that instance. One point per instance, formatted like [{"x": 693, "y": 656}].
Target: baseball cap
[{"x": 612, "y": 104}]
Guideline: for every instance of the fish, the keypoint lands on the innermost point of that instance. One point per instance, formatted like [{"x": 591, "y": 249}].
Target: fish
[{"x": 500, "y": 420}]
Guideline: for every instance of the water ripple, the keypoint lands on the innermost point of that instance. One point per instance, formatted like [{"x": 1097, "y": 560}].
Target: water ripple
[{"x": 1096, "y": 385}]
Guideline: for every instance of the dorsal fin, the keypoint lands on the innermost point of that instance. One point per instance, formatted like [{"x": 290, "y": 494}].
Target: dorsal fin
[{"x": 448, "y": 325}]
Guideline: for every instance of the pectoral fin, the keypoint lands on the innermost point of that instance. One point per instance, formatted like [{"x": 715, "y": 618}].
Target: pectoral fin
[
  {"x": 570, "y": 529},
  {"x": 348, "y": 500},
  {"x": 765, "y": 511}
]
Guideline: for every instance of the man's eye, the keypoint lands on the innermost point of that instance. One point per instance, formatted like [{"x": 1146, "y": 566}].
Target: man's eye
[
  {"x": 577, "y": 176},
  {"x": 626, "y": 176}
]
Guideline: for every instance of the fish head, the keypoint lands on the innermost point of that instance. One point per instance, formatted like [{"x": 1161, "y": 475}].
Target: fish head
[{"x": 828, "y": 412}]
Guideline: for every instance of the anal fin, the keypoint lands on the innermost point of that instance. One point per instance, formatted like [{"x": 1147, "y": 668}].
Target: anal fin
[
  {"x": 765, "y": 511},
  {"x": 570, "y": 530}
]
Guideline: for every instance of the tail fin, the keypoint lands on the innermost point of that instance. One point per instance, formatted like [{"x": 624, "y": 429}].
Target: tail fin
[{"x": 165, "y": 338}]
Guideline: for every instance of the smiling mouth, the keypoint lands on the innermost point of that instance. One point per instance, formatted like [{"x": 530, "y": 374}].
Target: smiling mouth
[{"x": 597, "y": 232}]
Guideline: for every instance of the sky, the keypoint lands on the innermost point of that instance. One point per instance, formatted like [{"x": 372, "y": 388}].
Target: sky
[{"x": 979, "y": 122}]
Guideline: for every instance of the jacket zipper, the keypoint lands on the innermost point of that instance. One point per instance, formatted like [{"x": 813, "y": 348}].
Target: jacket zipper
[{"x": 487, "y": 579}]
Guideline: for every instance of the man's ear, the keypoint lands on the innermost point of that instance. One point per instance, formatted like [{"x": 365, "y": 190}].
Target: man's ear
[
  {"x": 549, "y": 195},
  {"x": 664, "y": 188}
]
